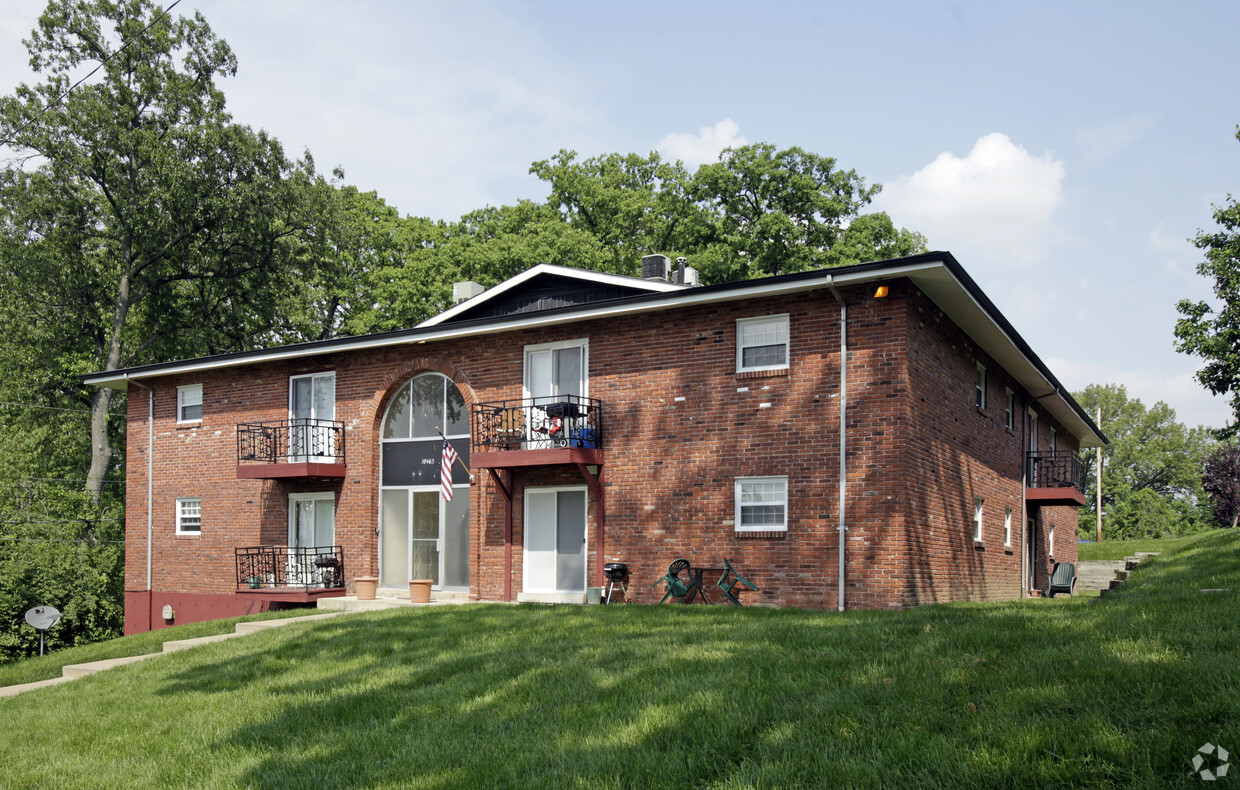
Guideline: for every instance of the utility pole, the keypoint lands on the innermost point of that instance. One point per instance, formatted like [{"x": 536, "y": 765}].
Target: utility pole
[{"x": 1098, "y": 457}]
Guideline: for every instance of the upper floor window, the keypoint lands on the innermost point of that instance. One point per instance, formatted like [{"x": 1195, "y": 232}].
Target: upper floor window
[
  {"x": 553, "y": 370},
  {"x": 980, "y": 393},
  {"x": 189, "y": 403},
  {"x": 1054, "y": 440},
  {"x": 978, "y": 502},
  {"x": 761, "y": 504},
  {"x": 1007, "y": 527},
  {"x": 311, "y": 407},
  {"x": 762, "y": 343},
  {"x": 189, "y": 516},
  {"x": 1009, "y": 415}
]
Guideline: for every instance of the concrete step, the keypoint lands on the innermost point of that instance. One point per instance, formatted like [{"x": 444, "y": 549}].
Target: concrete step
[
  {"x": 350, "y": 603},
  {"x": 8, "y": 691},
  {"x": 1122, "y": 575},
  {"x": 1096, "y": 574},
  {"x": 186, "y": 644},
  {"x": 1115, "y": 585},
  {"x": 91, "y": 667},
  {"x": 255, "y": 626}
]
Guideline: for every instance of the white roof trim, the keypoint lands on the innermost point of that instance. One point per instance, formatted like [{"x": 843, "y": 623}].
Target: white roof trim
[
  {"x": 654, "y": 286},
  {"x": 933, "y": 277}
]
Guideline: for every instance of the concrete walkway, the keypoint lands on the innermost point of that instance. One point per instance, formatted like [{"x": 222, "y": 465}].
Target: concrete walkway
[{"x": 72, "y": 671}]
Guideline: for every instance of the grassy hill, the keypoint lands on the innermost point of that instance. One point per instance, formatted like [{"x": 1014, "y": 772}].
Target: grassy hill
[{"x": 1045, "y": 693}]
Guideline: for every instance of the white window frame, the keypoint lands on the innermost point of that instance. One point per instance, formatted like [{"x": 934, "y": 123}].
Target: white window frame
[
  {"x": 185, "y": 508},
  {"x": 1009, "y": 416},
  {"x": 1050, "y": 541},
  {"x": 1054, "y": 440},
  {"x": 978, "y": 507},
  {"x": 1007, "y": 527},
  {"x": 738, "y": 488},
  {"x": 316, "y": 496},
  {"x": 979, "y": 392},
  {"x": 183, "y": 401},
  {"x": 582, "y": 342},
  {"x": 778, "y": 319}
]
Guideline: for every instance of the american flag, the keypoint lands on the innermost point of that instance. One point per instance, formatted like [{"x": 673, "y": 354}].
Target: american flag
[{"x": 445, "y": 473}]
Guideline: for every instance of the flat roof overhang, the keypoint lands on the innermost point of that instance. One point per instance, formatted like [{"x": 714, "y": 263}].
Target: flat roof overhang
[{"x": 937, "y": 274}]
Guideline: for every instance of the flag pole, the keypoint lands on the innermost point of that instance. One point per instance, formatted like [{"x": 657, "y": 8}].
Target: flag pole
[{"x": 468, "y": 471}]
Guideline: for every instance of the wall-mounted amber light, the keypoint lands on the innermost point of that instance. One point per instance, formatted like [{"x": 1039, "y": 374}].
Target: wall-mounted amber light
[{"x": 880, "y": 292}]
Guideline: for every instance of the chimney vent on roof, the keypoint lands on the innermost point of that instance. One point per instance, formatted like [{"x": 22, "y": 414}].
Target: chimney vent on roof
[
  {"x": 466, "y": 290},
  {"x": 656, "y": 267},
  {"x": 685, "y": 275}
]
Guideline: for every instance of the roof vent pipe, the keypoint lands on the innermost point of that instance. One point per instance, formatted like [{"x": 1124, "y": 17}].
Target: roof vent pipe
[{"x": 685, "y": 275}]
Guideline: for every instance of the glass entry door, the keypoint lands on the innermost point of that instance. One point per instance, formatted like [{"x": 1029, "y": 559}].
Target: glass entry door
[
  {"x": 312, "y": 398},
  {"x": 424, "y": 537},
  {"x": 555, "y": 540}
]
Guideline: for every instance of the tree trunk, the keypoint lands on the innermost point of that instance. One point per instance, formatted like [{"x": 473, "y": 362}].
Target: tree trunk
[{"x": 100, "y": 444}]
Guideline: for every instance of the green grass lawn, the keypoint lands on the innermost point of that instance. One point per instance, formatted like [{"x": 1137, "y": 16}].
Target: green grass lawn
[
  {"x": 1045, "y": 693},
  {"x": 1119, "y": 549},
  {"x": 49, "y": 665}
]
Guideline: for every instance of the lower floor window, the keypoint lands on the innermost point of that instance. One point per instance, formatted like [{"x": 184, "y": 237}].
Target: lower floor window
[
  {"x": 189, "y": 516},
  {"x": 761, "y": 504}
]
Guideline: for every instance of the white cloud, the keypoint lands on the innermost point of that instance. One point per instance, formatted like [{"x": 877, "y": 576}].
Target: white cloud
[
  {"x": 1181, "y": 391},
  {"x": 997, "y": 200},
  {"x": 703, "y": 147},
  {"x": 1100, "y": 143}
]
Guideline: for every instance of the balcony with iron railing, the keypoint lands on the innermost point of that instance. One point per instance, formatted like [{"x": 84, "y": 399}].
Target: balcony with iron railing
[
  {"x": 299, "y": 447},
  {"x": 537, "y": 431},
  {"x": 1054, "y": 478},
  {"x": 291, "y": 573}
]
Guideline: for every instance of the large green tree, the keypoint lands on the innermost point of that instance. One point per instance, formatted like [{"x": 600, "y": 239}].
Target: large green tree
[
  {"x": 1213, "y": 333},
  {"x": 138, "y": 218},
  {"x": 1151, "y": 478}
]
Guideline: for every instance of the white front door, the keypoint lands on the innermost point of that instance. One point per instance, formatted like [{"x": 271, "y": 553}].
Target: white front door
[
  {"x": 311, "y": 398},
  {"x": 555, "y": 540}
]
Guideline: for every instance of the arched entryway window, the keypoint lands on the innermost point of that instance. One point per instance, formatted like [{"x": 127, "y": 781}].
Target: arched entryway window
[{"x": 423, "y": 535}]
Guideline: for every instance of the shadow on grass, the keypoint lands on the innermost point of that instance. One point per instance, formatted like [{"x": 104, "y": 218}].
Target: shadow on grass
[{"x": 1058, "y": 692}]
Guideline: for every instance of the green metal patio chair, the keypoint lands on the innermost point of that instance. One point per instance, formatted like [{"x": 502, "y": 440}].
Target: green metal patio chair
[
  {"x": 1063, "y": 579},
  {"x": 676, "y": 586},
  {"x": 728, "y": 586}
]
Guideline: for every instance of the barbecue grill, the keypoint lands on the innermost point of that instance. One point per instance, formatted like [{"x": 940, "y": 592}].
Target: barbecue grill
[{"x": 616, "y": 573}]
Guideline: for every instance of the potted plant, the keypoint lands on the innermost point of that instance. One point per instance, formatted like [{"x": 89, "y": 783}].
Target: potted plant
[
  {"x": 420, "y": 590},
  {"x": 366, "y": 587}
]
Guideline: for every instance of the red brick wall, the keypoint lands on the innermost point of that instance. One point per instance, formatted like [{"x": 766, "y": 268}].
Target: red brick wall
[{"x": 679, "y": 426}]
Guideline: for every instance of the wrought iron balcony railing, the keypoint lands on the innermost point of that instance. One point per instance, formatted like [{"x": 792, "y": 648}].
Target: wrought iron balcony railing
[
  {"x": 290, "y": 567},
  {"x": 538, "y": 424},
  {"x": 291, "y": 441},
  {"x": 1062, "y": 469}
]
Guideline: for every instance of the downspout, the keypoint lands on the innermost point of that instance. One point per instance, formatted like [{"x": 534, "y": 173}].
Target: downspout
[
  {"x": 150, "y": 494},
  {"x": 843, "y": 524},
  {"x": 1024, "y": 507}
]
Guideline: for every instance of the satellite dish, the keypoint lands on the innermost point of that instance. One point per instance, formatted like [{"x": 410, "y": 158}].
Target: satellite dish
[{"x": 42, "y": 617}]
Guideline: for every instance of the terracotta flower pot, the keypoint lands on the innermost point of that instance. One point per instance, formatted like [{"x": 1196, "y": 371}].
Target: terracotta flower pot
[
  {"x": 420, "y": 590},
  {"x": 366, "y": 587}
]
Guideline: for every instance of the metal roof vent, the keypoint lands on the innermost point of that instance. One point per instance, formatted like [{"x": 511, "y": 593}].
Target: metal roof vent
[{"x": 686, "y": 275}]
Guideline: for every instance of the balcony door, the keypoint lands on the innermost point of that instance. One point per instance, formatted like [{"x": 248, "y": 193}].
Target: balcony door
[
  {"x": 311, "y": 526},
  {"x": 555, "y": 540},
  {"x": 552, "y": 372},
  {"x": 423, "y": 535},
  {"x": 311, "y": 402}
]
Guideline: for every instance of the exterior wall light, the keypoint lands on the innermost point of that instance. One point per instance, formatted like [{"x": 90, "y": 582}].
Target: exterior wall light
[{"x": 880, "y": 292}]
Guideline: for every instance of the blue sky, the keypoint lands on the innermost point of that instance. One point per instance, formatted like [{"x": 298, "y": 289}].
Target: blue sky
[{"x": 1063, "y": 152}]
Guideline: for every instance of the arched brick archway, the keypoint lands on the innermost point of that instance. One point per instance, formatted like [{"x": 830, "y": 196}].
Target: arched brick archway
[{"x": 422, "y": 533}]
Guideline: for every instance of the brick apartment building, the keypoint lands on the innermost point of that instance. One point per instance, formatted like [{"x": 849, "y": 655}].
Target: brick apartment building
[{"x": 611, "y": 418}]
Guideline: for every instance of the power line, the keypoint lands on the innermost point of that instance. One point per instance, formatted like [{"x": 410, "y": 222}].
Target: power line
[
  {"x": 102, "y": 63},
  {"x": 68, "y": 521},
  {"x": 13, "y": 405},
  {"x": 52, "y": 540}
]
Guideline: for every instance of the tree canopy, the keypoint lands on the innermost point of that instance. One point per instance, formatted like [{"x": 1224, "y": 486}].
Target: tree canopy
[
  {"x": 1151, "y": 479},
  {"x": 1210, "y": 333}
]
